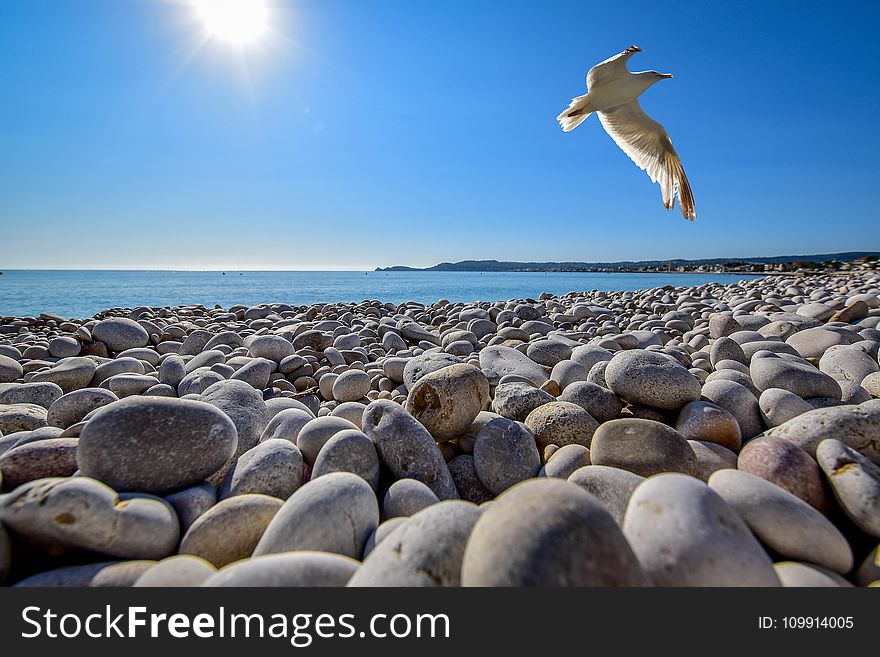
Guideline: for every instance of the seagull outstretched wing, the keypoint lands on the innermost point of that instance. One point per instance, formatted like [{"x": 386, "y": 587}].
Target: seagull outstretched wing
[
  {"x": 648, "y": 145},
  {"x": 612, "y": 68}
]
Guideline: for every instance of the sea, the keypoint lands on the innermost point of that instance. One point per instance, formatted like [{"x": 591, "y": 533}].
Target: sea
[{"x": 82, "y": 294}]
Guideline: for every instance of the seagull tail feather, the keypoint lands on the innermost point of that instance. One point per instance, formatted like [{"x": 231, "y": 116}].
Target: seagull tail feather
[
  {"x": 576, "y": 113},
  {"x": 685, "y": 195}
]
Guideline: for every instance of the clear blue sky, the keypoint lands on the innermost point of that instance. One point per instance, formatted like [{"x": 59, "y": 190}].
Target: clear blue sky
[{"x": 365, "y": 134}]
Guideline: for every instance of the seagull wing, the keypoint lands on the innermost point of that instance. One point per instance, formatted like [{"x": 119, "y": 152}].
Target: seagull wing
[
  {"x": 611, "y": 69},
  {"x": 646, "y": 143}
]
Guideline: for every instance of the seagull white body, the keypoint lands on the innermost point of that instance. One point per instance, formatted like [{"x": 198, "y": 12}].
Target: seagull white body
[{"x": 613, "y": 93}]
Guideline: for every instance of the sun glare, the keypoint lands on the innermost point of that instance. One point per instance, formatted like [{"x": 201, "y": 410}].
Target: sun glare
[{"x": 236, "y": 21}]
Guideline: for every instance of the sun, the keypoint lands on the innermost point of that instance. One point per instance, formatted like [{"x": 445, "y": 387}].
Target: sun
[{"x": 238, "y": 22}]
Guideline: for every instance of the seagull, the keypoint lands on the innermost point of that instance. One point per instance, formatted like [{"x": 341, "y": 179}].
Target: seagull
[{"x": 613, "y": 93}]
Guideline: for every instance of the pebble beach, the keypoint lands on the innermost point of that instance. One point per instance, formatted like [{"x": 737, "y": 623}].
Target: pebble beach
[{"x": 707, "y": 435}]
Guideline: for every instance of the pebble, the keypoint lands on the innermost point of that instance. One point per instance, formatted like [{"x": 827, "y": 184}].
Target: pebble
[
  {"x": 711, "y": 457},
  {"x": 505, "y": 454},
  {"x": 38, "y": 394},
  {"x": 425, "y": 551},
  {"x": 644, "y": 447},
  {"x": 596, "y": 400},
  {"x": 419, "y": 366},
  {"x": 784, "y": 523},
  {"x": 10, "y": 369},
  {"x": 565, "y": 461},
  {"x": 652, "y": 379},
  {"x": 406, "y": 497},
  {"x": 191, "y": 503},
  {"x": 796, "y": 574},
  {"x": 69, "y": 374},
  {"x": 778, "y": 406},
  {"x": 561, "y": 423},
  {"x": 351, "y": 386},
  {"x": 316, "y": 432},
  {"x": 516, "y": 399},
  {"x": 303, "y": 568},
  {"x": 309, "y": 519},
  {"x": 548, "y": 532},
  {"x": 467, "y": 483},
  {"x": 802, "y": 379},
  {"x": 788, "y": 466},
  {"x": 857, "y": 426},
  {"x": 611, "y": 486},
  {"x": 62, "y": 514},
  {"x": 120, "y": 333},
  {"x": 739, "y": 402},
  {"x": 349, "y": 451},
  {"x": 685, "y": 534},
  {"x": 38, "y": 459},
  {"x": 178, "y": 571},
  {"x": 497, "y": 361},
  {"x": 273, "y": 467},
  {"x": 446, "y": 401},
  {"x": 700, "y": 420},
  {"x": 170, "y": 444},
  {"x": 231, "y": 529},
  {"x": 406, "y": 448},
  {"x": 74, "y": 406},
  {"x": 854, "y": 479}
]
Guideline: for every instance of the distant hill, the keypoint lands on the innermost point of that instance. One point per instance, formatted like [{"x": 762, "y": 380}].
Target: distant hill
[{"x": 624, "y": 265}]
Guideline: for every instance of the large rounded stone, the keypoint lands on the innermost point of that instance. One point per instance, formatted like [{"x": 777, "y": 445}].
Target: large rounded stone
[
  {"x": 69, "y": 374},
  {"x": 561, "y": 423},
  {"x": 611, "y": 486},
  {"x": 845, "y": 363},
  {"x": 651, "y": 379},
  {"x": 565, "y": 461},
  {"x": 334, "y": 513},
  {"x": 270, "y": 347},
  {"x": 701, "y": 420},
  {"x": 857, "y": 426},
  {"x": 739, "y": 402},
  {"x": 644, "y": 447},
  {"x": 245, "y": 407},
  {"x": 290, "y": 569},
  {"x": 286, "y": 423},
  {"x": 445, "y": 402},
  {"x": 802, "y": 379},
  {"x": 21, "y": 417},
  {"x": 406, "y": 497},
  {"x": 349, "y": 451},
  {"x": 10, "y": 369},
  {"x": 548, "y": 532},
  {"x": 314, "y": 435},
  {"x": 599, "y": 402},
  {"x": 406, "y": 448},
  {"x": 788, "y": 466},
  {"x": 426, "y": 550},
  {"x": 685, "y": 534},
  {"x": 711, "y": 457},
  {"x": 419, "y": 366},
  {"x": 155, "y": 444},
  {"x": 505, "y": 454},
  {"x": 274, "y": 467},
  {"x": 854, "y": 480},
  {"x": 497, "y": 361},
  {"x": 783, "y": 522},
  {"x": 74, "y": 406},
  {"x": 39, "y": 459},
  {"x": 795, "y": 574},
  {"x": 60, "y": 515},
  {"x": 178, "y": 571},
  {"x": 350, "y": 386},
  {"x": 468, "y": 484},
  {"x": 120, "y": 333},
  {"x": 778, "y": 406},
  {"x": 39, "y": 394},
  {"x": 231, "y": 529},
  {"x": 516, "y": 399}
]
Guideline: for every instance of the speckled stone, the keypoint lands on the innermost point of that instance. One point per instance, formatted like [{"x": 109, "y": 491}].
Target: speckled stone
[
  {"x": 786, "y": 465},
  {"x": 644, "y": 447},
  {"x": 855, "y": 482},
  {"x": 653, "y": 379},
  {"x": 505, "y": 454},
  {"x": 561, "y": 423}
]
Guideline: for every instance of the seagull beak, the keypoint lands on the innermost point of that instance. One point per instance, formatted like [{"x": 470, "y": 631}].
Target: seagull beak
[{"x": 666, "y": 76}]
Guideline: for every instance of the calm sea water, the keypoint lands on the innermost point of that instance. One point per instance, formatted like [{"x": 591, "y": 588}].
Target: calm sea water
[{"x": 84, "y": 293}]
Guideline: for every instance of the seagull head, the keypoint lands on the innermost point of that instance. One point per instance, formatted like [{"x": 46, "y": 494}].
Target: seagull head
[{"x": 657, "y": 76}]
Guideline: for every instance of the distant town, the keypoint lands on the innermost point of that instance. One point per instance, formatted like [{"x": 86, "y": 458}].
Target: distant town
[{"x": 820, "y": 263}]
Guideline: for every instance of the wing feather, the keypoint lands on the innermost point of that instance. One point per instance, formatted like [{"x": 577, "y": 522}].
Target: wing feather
[
  {"x": 648, "y": 145},
  {"x": 611, "y": 69}
]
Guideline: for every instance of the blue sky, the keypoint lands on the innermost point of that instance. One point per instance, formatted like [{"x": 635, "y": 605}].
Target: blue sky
[{"x": 371, "y": 133}]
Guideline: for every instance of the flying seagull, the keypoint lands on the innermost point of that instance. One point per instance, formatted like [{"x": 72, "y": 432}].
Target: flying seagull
[{"x": 613, "y": 93}]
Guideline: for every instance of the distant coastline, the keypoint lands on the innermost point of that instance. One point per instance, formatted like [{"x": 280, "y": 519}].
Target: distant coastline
[{"x": 825, "y": 262}]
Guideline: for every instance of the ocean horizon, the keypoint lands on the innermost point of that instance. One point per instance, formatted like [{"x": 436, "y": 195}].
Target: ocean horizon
[{"x": 83, "y": 293}]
